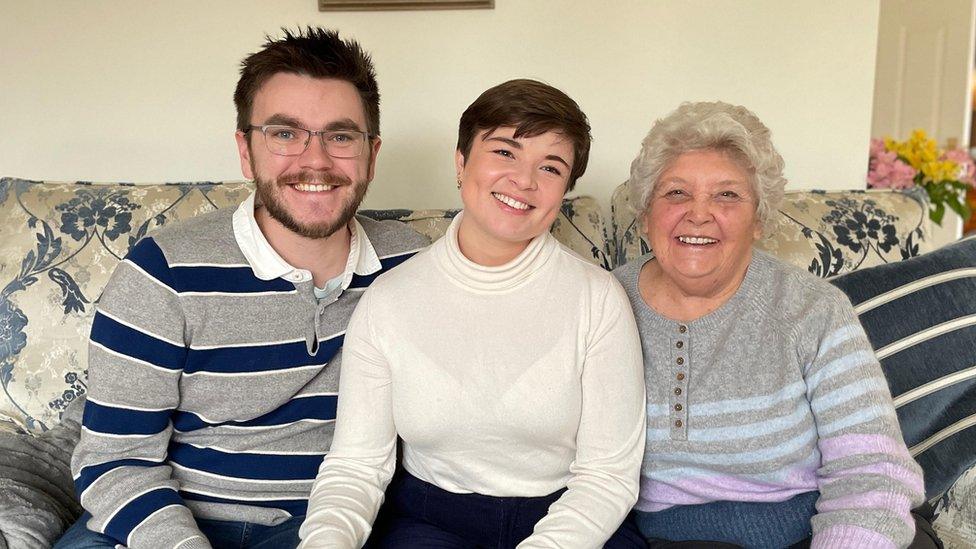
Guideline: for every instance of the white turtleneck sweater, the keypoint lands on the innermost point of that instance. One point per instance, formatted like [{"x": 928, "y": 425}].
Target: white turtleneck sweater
[{"x": 517, "y": 380}]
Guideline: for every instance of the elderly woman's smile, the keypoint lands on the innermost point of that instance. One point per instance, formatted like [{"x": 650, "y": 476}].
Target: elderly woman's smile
[{"x": 701, "y": 222}]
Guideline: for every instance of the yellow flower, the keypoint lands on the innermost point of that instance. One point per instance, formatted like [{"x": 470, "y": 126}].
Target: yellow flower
[
  {"x": 945, "y": 170},
  {"x": 938, "y": 172},
  {"x": 917, "y": 151}
]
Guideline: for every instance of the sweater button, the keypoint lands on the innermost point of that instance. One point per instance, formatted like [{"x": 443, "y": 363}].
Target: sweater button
[
  {"x": 677, "y": 390},
  {"x": 680, "y": 376},
  {"x": 678, "y": 423},
  {"x": 682, "y": 328},
  {"x": 680, "y": 361},
  {"x": 679, "y": 344},
  {"x": 677, "y": 407}
]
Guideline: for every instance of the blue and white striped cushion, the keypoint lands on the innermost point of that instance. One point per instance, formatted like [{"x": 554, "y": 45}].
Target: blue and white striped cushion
[{"x": 920, "y": 315}]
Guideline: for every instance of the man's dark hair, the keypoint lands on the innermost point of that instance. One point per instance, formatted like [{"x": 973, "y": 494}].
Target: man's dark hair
[
  {"x": 532, "y": 108},
  {"x": 314, "y": 52}
]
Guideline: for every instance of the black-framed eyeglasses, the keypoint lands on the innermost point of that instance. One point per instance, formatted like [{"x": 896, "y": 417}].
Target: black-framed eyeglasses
[{"x": 292, "y": 141}]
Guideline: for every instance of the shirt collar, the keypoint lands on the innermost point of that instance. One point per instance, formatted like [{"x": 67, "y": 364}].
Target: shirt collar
[
  {"x": 268, "y": 265},
  {"x": 362, "y": 256}
]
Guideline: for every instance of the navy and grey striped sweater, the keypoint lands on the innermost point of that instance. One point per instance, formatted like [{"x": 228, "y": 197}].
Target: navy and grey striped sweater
[{"x": 212, "y": 391}]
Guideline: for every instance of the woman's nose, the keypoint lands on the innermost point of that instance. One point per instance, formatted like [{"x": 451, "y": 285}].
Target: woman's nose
[
  {"x": 699, "y": 211},
  {"x": 523, "y": 177}
]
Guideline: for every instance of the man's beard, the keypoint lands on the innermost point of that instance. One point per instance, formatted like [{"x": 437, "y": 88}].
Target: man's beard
[{"x": 268, "y": 196}]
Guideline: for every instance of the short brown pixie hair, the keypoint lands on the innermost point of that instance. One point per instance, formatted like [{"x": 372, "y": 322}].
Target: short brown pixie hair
[
  {"x": 532, "y": 108},
  {"x": 314, "y": 52}
]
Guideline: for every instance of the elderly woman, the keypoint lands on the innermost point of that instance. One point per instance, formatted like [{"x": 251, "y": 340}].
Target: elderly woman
[
  {"x": 510, "y": 367},
  {"x": 768, "y": 417}
]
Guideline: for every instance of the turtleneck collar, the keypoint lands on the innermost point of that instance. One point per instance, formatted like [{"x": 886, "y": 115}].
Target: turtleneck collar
[{"x": 479, "y": 278}]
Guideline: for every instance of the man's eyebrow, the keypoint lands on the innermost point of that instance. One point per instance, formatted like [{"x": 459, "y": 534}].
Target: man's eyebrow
[
  {"x": 282, "y": 120},
  {"x": 343, "y": 124},
  {"x": 285, "y": 120}
]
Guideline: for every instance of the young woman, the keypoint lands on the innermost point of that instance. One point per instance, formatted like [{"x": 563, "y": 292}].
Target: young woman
[{"x": 510, "y": 367}]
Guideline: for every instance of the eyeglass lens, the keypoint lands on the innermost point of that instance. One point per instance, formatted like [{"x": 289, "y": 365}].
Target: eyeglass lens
[{"x": 289, "y": 141}]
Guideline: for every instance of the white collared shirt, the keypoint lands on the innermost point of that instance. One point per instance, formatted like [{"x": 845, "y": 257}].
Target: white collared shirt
[{"x": 268, "y": 265}]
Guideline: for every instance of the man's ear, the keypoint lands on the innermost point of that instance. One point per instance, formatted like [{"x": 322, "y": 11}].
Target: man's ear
[
  {"x": 244, "y": 150},
  {"x": 458, "y": 163},
  {"x": 374, "y": 150}
]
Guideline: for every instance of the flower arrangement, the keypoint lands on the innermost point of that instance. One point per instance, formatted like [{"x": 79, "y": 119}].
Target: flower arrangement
[{"x": 945, "y": 175}]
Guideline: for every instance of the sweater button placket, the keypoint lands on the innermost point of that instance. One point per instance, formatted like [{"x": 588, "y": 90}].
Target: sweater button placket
[
  {"x": 679, "y": 383},
  {"x": 305, "y": 294}
]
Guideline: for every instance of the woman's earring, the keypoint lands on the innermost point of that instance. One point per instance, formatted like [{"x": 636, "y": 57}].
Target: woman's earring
[{"x": 459, "y": 183}]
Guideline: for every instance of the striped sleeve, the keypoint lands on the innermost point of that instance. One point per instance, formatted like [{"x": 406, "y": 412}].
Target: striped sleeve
[
  {"x": 868, "y": 481},
  {"x": 136, "y": 357}
]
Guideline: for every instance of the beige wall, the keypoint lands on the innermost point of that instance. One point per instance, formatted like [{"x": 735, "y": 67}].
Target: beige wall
[{"x": 141, "y": 91}]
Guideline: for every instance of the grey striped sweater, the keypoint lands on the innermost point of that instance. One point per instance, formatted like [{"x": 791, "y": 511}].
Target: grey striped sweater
[
  {"x": 774, "y": 394},
  {"x": 213, "y": 391}
]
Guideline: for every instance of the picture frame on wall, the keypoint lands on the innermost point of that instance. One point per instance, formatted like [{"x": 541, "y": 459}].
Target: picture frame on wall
[{"x": 376, "y": 5}]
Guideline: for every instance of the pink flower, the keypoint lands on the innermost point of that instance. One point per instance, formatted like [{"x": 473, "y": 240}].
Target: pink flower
[
  {"x": 885, "y": 170},
  {"x": 967, "y": 168},
  {"x": 877, "y": 147}
]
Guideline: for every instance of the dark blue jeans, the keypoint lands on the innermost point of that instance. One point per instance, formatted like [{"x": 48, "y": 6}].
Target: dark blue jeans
[
  {"x": 421, "y": 515},
  {"x": 221, "y": 533}
]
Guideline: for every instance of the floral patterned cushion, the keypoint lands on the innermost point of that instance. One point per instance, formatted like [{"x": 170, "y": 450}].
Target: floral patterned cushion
[
  {"x": 955, "y": 513},
  {"x": 826, "y": 232},
  {"x": 61, "y": 242}
]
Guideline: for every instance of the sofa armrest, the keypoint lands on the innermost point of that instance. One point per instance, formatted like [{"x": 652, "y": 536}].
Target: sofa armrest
[{"x": 37, "y": 499}]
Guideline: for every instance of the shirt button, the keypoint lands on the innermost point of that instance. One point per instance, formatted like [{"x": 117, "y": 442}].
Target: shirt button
[
  {"x": 679, "y": 344},
  {"x": 680, "y": 377},
  {"x": 680, "y": 360},
  {"x": 677, "y": 390},
  {"x": 682, "y": 328},
  {"x": 678, "y": 423},
  {"x": 677, "y": 407}
]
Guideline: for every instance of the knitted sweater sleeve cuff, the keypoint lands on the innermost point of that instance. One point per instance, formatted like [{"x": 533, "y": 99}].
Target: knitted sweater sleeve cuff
[
  {"x": 845, "y": 536},
  {"x": 196, "y": 542},
  {"x": 172, "y": 527}
]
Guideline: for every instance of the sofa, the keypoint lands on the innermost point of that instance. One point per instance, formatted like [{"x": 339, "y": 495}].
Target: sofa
[{"x": 59, "y": 242}]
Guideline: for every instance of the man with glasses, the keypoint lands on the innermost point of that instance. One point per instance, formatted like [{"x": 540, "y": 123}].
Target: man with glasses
[{"x": 213, "y": 362}]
